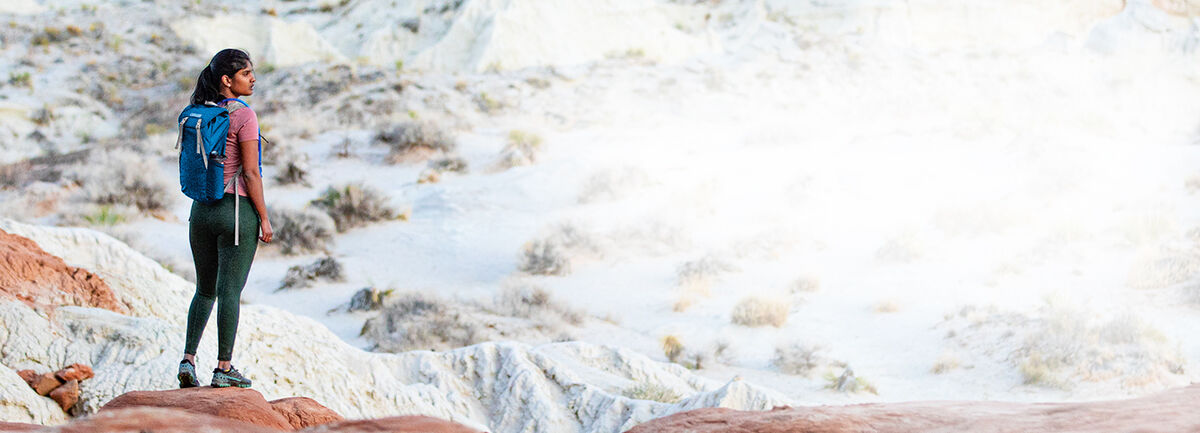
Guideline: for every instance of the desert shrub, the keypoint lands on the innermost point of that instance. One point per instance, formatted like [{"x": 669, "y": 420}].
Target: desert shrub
[
  {"x": 302, "y": 231},
  {"x": 760, "y": 311},
  {"x": 416, "y": 140},
  {"x": 651, "y": 392},
  {"x": 449, "y": 164},
  {"x": 886, "y": 306},
  {"x": 487, "y": 103},
  {"x": 1192, "y": 183},
  {"x": 523, "y": 148},
  {"x": 104, "y": 215},
  {"x": 1057, "y": 346},
  {"x": 701, "y": 272},
  {"x": 946, "y": 362},
  {"x": 123, "y": 177},
  {"x": 694, "y": 279},
  {"x": 20, "y": 79},
  {"x": 532, "y": 302},
  {"x": 368, "y": 299},
  {"x": 1156, "y": 269},
  {"x": 672, "y": 348},
  {"x": 848, "y": 382},
  {"x": 433, "y": 173},
  {"x": 354, "y": 205},
  {"x": 797, "y": 359},
  {"x": 326, "y": 268},
  {"x": 1037, "y": 370},
  {"x": 544, "y": 257},
  {"x": 293, "y": 167},
  {"x": 805, "y": 284},
  {"x": 1065, "y": 342},
  {"x": 40, "y": 199},
  {"x": 417, "y": 321},
  {"x": 552, "y": 254}
]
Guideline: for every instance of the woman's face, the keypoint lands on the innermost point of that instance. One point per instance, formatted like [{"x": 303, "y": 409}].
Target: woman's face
[{"x": 241, "y": 83}]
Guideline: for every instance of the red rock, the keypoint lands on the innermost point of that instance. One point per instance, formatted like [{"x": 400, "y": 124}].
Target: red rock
[
  {"x": 66, "y": 395},
  {"x": 238, "y": 404},
  {"x": 29, "y": 274},
  {"x": 14, "y": 427},
  {"x": 46, "y": 383},
  {"x": 1170, "y": 411},
  {"x": 396, "y": 424},
  {"x": 78, "y": 372},
  {"x": 157, "y": 420},
  {"x": 303, "y": 412},
  {"x": 30, "y": 377}
]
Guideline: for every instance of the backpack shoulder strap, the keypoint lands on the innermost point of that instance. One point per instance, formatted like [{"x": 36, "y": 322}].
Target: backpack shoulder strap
[{"x": 234, "y": 107}]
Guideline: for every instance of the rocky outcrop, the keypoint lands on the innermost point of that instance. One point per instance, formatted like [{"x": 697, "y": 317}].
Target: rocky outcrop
[
  {"x": 158, "y": 420},
  {"x": 61, "y": 386},
  {"x": 398, "y": 424},
  {"x": 66, "y": 395},
  {"x": 141, "y": 285},
  {"x": 29, "y": 274},
  {"x": 304, "y": 412},
  {"x": 20, "y": 403},
  {"x": 245, "y": 405},
  {"x": 78, "y": 372},
  {"x": 1170, "y": 411},
  {"x": 499, "y": 387},
  {"x": 173, "y": 420}
]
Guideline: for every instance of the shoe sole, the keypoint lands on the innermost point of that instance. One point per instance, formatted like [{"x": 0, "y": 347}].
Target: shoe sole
[
  {"x": 187, "y": 381},
  {"x": 226, "y": 385}
]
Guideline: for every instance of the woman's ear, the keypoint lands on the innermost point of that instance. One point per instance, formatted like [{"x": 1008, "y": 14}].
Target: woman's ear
[{"x": 226, "y": 81}]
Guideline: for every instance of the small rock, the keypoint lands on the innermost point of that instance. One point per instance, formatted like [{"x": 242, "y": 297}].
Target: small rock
[
  {"x": 66, "y": 395},
  {"x": 78, "y": 372},
  {"x": 46, "y": 383},
  {"x": 30, "y": 377}
]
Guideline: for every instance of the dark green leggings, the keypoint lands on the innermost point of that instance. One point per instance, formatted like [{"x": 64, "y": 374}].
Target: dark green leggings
[{"x": 221, "y": 269}]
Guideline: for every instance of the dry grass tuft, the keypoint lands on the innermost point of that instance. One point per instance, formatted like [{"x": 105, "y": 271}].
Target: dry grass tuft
[{"x": 761, "y": 311}]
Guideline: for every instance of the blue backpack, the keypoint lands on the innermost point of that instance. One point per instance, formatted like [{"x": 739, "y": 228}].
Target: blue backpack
[{"x": 202, "y": 132}]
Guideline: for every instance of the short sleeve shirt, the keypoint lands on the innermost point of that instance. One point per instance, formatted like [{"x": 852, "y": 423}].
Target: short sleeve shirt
[{"x": 243, "y": 126}]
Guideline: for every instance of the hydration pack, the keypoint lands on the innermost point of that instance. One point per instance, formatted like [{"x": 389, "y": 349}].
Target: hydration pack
[{"x": 203, "y": 129}]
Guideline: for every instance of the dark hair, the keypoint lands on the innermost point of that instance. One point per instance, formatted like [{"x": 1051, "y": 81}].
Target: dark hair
[{"x": 226, "y": 63}]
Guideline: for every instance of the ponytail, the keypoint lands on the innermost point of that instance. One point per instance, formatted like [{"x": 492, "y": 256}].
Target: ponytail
[{"x": 225, "y": 63}]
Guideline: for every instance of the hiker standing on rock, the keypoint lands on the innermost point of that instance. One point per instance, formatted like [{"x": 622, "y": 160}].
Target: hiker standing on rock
[{"x": 221, "y": 170}]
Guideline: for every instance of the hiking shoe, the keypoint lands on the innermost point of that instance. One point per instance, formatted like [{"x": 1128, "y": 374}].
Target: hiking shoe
[
  {"x": 230, "y": 377},
  {"x": 187, "y": 374}
]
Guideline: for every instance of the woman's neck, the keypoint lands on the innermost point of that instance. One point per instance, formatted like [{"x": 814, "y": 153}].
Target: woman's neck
[{"x": 227, "y": 94}]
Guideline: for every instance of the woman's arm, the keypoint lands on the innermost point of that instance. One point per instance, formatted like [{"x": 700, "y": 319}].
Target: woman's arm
[{"x": 254, "y": 187}]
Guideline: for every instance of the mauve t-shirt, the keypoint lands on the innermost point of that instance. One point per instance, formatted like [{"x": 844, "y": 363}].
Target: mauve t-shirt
[{"x": 243, "y": 126}]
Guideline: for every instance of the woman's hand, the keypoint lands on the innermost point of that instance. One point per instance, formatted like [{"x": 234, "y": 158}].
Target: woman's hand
[{"x": 267, "y": 233}]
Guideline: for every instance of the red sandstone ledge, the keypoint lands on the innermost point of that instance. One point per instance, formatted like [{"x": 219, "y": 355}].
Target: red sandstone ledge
[
  {"x": 230, "y": 410},
  {"x": 1176, "y": 410}
]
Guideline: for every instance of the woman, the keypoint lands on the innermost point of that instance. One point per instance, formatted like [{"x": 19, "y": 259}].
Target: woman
[{"x": 223, "y": 261}]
